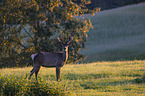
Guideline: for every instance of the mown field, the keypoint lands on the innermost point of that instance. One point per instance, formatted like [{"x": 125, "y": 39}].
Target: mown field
[
  {"x": 118, "y": 34},
  {"x": 120, "y": 78}
]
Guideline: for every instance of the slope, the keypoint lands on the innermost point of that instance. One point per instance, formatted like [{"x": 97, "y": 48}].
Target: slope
[{"x": 118, "y": 34}]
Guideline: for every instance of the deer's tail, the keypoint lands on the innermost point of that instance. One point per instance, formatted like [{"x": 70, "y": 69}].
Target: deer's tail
[{"x": 33, "y": 56}]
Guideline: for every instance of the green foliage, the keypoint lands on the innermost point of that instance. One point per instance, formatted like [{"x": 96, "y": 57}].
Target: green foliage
[{"x": 32, "y": 26}]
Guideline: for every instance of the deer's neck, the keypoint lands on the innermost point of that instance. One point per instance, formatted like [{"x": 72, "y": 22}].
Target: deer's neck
[{"x": 65, "y": 55}]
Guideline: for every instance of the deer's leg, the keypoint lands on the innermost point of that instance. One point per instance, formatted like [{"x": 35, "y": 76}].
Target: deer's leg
[
  {"x": 36, "y": 73},
  {"x": 57, "y": 73},
  {"x": 33, "y": 70},
  {"x": 31, "y": 73}
]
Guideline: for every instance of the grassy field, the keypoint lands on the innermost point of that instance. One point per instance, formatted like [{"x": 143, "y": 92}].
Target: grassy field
[
  {"x": 118, "y": 34},
  {"x": 120, "y": 78}
]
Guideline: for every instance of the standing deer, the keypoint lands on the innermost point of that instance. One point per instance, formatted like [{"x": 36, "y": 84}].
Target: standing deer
[{"x": 50, "y": 59}]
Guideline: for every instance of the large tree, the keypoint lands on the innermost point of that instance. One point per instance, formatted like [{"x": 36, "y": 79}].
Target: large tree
[{"x": 29, "y": 26}]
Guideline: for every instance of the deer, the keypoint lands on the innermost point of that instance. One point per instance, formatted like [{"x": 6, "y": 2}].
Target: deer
[{"x": 50, "y": 59}]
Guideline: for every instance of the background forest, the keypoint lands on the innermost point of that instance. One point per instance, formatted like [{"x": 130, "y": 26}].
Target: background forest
[{"x": 109, "y": 4}]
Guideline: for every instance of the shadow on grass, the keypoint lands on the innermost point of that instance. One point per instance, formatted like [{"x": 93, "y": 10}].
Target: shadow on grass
[
  {"x": 104, "y": 84},
  {"x": 75, "y": 76},
  {"x": 100, "y": 81},
  {"x": 140, "y": 80},
  {"x": 49, "y": 77},
  {"x": 114, "y": 56}
]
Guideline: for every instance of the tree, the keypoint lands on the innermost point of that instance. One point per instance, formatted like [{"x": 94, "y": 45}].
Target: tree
[{"x": 29, "y": 26}]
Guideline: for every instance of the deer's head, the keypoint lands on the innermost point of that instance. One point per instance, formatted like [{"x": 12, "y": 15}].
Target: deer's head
[{"x": 65, "y": 45}]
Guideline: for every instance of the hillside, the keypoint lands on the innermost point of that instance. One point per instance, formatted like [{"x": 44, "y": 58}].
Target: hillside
[{"x": 118, "y": 34}]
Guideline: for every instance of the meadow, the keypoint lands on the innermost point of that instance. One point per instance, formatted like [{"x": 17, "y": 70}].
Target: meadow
[
  {"x": 120, "y": 78},
  {"x": 117, "y": 39},
  {"x": 118, "y": 34}
]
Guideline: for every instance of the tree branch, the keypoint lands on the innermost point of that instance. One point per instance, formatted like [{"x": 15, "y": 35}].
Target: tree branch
[{"x": 28, "y": 33}]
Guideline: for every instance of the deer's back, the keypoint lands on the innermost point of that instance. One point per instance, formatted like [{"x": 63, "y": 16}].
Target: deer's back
[{"x": 48, "y": 59}]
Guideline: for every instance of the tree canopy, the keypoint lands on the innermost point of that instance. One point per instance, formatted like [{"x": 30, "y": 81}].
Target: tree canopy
[{"x": 29, "y": 26}]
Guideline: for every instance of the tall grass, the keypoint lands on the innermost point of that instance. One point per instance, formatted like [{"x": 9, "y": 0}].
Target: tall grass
[
  {"x": 120, "y": 78},
  {"x": 118, "y": 34},
  {"x": 14, "y": 82}
]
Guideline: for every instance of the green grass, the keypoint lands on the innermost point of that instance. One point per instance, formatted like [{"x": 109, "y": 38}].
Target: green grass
[
  {"x": 120, "y": 78},
  {"x": 118, "y": 34}
]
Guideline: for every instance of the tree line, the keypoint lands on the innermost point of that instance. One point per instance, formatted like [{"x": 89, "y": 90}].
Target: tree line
[{"x": 109, "y": 4}]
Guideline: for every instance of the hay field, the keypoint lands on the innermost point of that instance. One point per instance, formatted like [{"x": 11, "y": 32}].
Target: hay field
[{"x": 118, "y": 34}]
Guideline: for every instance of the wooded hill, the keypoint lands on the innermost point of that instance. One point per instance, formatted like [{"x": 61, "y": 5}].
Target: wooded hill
[
  {"x": 106, "y": 4},
  {"x": 109, "y": 4}
]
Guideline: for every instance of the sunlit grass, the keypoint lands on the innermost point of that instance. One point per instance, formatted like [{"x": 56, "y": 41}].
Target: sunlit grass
[{"x": 98, "y": 78}]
